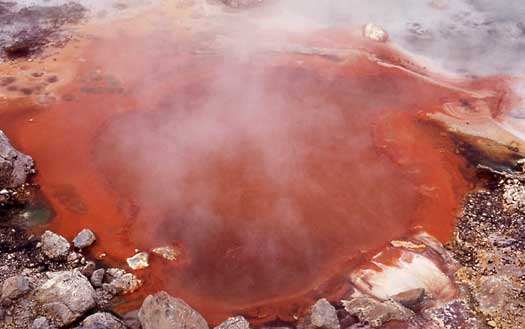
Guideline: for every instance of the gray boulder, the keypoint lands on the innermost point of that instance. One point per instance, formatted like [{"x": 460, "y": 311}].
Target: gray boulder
[
  {"x": 66, "y": 296},
  {"x": 323, "y": 315},
  {"x": 15, "y": 167},
  {"x": 237, "y": 322},
  {"x": 15, "y": 287},
  {"x": 102, "y": 321},
  {"x": 84, "y": 239},
  {"x": 54, "y": 246},
  {"x": 162, "y": 311}
]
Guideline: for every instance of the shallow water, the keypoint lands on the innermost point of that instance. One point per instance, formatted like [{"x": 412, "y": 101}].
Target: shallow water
[{"x": 275, "y": 160}]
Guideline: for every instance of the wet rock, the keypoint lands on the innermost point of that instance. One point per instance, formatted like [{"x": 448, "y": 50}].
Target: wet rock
[
  {"x": 139, "y": 261},
  {"x": 84, "y": 239},
  {"x": 15, "y": 287},
  {"x": 97, "y": 278},
  {"x": 54, "y": 246},
  {"x": 237, "y": 322},
  {"x": 102, "y": 321},
  {"x": 410, "y": 299},
  {"x": 42, "y": 323},
  {"x": 15, "y": 167},
  {"x": 122, "y": 285},
  {"x": 74, "y": 258},
  {"x": 377, "y": 313},
  {"x": 323, "y": 315},
  {"x": 162, "y": 311},
  {"x": 113, "y": 273},
  {"x": 66, "y": 296},
  {"x": 168, "y": 253},
  {"x": 88, "y": 269},
  {"x": 375, "y": 32}
]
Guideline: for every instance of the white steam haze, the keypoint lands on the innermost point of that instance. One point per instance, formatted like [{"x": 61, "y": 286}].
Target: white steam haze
[{"x": 466, "y": 36}]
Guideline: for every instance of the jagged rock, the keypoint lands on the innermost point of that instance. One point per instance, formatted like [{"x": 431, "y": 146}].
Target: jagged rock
[
  {"x": 168, "y": 253},
  {"x": 162, "y": 311},
  {"x": 122, "y": 285},
  {"x": 323, "y": 315},
  {"x": 376, "y": 313},
  {"x": 54, "y": 246},
  {"x": 15, "y": 167},
  {"x": 410, "y": 299},
  {"x": 84, "y": 239},
  {"x": 66, "y": 296},
  {"x": 113, "y": 273},
  {"x": 15, "y": 287},
  {"x": 237, "y": 322},
  {"x": 97, "y": 278},
  {"x": 139, "y": 261},
  {"x": 42, "y": 323},
  {"x": 102, "y": 321},
  {"x": 88, "y": 269}
]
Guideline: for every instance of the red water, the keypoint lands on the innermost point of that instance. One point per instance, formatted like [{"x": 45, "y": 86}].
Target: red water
[{"x": 274, "y": 172}]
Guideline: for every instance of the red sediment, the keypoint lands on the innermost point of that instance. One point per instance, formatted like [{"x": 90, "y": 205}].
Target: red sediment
[{"x": 276, "y": 173}]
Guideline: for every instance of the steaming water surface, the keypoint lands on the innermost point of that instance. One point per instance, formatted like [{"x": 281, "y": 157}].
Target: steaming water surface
[{"x": 273, "y": 170}]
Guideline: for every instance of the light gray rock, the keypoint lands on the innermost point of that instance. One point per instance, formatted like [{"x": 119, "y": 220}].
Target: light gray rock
[
  {"x": 122, "y": 285},
  {"x": 15, "y": 287},
  {"x": 66, "y": 296},
  {"x": 84, "y": 239},
  {"x": 54, "y": 246},
  {"x": 162, "y": 311},
  {"x": 102, "y": 321},
  {"x": 15, "y": 167},
  {"x": 97, "y": 278},
  {"x": 237, "y": 322},
  {"x": 376, "y": 313},
  {"x": 42, "y": 323},
  {"x": 323, "y": 315}
]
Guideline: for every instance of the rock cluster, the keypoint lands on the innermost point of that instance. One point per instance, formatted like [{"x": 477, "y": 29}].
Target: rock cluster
[{"x": 61, "y": 293}]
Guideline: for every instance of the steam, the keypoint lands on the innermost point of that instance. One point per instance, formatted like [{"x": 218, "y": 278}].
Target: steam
[{"x": 253, "y": 164}]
